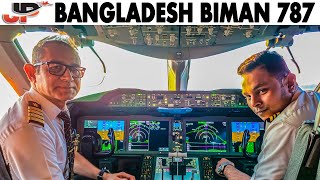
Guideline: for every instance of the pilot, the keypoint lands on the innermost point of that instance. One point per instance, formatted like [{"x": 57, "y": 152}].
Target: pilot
[
  {"x": 273, "y": 94},
  {"x": 33, "y": 132}
]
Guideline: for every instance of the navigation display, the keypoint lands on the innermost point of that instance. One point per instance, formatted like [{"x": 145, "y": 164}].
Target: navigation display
[
  {"x": 237, "y": 133},
  {"x": 101, "y": 127},
  {"x": 202, "y": 136},
  {"x": 148, "y": 135}
]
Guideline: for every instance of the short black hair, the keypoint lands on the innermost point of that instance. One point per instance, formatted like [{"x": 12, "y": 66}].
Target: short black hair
[{"x": 271, "y": 61}]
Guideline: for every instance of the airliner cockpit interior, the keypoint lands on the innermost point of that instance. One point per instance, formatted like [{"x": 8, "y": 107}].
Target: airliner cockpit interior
[
  {"x": 176, "y": 133},
  {"x": 163, "y": 133}
]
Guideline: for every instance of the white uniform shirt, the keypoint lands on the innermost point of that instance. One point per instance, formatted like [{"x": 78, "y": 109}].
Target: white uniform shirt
[
  {"x": 33, "y": 151},
  {"x": 280, "y": 135}
]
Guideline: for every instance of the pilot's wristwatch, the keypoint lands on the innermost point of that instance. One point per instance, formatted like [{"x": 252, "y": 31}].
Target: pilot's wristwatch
[
  {"x": 103, "y": 170},
  {"x": 222, "y": 166}
]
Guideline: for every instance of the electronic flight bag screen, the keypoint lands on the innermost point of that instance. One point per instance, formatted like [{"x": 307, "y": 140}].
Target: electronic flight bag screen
[
  {"x": 101, "y": 127},
  {"x": 204, "y": 136},
  {"x": 150, "y": 135},
  {"x": 237, "y": 132}
]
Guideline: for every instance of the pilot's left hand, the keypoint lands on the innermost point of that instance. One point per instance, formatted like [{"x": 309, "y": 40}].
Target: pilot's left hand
[{"x": 118, "y": 176}]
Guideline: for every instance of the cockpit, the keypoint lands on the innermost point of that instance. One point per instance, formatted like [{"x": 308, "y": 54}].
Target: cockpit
[
  {"x": 179, "y": 125},
  {"x": 160, "y": 129}
]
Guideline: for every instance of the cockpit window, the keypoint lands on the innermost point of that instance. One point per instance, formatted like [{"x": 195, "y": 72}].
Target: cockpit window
[
  {"x": 8, "y": 96},
  {"x": 125, "y": 69},
  {"x": 220, "y": 71}
]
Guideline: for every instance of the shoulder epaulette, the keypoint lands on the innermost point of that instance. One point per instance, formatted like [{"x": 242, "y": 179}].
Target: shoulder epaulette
[
  {"x": 271, "y": 118},
  {"x": 35, "y": 113}
]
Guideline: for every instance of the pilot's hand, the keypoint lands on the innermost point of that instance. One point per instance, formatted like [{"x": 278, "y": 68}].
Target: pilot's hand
[
  {"x": 118, "y": 176},
  {"x": 222, "y": 160}
]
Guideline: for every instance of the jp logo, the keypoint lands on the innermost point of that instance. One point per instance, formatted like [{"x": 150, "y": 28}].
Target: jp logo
[{"x": 24, "y": 10}]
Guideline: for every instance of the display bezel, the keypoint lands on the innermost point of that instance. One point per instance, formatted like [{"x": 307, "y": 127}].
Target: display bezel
[
  {"x": 207, "y": 119},
  {"x": 126, "y": 119},
  {"x": 257, "y": 120}
]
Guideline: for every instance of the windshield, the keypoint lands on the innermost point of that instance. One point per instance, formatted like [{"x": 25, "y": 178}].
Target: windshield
[
  {"x": 8, "y": 96},
  {"x": 220, "y": 71},
  {"x": 125, "y": 69}
]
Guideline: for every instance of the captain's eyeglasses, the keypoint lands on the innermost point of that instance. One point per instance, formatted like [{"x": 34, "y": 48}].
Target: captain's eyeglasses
[{"x": 59, "y": 69}]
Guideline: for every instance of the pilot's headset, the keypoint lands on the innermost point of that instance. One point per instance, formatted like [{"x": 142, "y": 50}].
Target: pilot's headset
[{"x": 257, "y": 145}]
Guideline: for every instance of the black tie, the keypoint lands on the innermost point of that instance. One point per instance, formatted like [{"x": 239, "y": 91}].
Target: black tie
[{"x": 67, "y": 134}]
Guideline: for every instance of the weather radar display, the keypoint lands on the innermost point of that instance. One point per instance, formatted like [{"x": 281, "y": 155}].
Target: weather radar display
[{"x": 204, "y": 136}]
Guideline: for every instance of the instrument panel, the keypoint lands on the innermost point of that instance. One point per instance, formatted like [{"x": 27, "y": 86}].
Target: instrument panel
[
  {"x": 147, "y": 134},
  {"x": 166, "y": 134}
]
